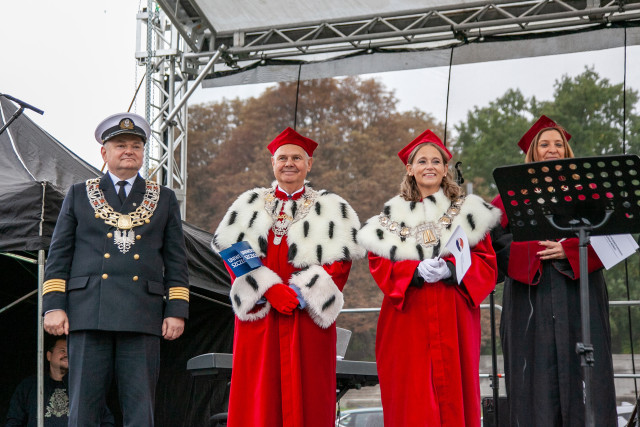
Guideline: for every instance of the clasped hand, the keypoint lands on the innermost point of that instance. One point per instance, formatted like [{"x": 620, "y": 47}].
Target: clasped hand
[
  {"x": 282, "y": 298},
  {"x": 434, "y": 270},
  {"x": 552, "y": 250}
]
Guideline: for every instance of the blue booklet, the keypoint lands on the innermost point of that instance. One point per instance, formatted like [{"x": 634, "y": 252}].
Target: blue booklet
[{"x": 241, "y": 258}]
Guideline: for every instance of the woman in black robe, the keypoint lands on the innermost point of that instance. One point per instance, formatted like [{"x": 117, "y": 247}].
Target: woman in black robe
[{"x": 541, "y": 322}]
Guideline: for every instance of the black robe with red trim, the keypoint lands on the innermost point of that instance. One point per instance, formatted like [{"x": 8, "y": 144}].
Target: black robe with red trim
[{"x": 540, "y": 327}]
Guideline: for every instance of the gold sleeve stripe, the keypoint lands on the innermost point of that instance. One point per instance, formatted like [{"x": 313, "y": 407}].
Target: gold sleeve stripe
[
  {"x": 179, "y": 292},
  {"x": 46, "y": 291},
  {"x": 54, "y": 285}
]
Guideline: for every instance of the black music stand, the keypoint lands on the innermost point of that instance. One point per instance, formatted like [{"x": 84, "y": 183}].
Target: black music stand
[{"x": 573, "y": 197}]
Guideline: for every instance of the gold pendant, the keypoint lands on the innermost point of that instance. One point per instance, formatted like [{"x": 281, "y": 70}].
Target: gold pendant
[
  {"x": 428, "y": 233},
  {"x": 125, "y": 222},
  {"x": 429, "y": 237}
]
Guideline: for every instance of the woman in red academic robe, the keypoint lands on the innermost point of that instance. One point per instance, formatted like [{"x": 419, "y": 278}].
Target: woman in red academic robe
[
  {"x": 428, "y": 337},
  {"x": 540, "y": 323}
]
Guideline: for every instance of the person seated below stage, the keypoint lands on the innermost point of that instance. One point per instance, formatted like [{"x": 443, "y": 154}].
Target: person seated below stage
[{"x": 23, "y": 407}]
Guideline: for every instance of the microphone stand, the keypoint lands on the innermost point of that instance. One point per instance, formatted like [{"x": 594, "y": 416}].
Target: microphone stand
[{"x": 19, "y": 111}]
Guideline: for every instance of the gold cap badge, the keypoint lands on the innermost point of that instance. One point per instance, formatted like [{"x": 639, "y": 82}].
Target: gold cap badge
[{"x": 126, "y": 124}]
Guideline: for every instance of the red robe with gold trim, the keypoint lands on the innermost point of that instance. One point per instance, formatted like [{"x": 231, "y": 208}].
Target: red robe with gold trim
[
  {"x": 284, "y": 366},
  {"x": 428, "y": 337}
]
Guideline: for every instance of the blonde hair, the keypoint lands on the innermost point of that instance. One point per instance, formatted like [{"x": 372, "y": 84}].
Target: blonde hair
[
  {"x": 532, "y": 152},
  {"x": 409, "y": 187}
]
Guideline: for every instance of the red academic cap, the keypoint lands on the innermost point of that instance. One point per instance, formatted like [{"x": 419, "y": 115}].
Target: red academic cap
[
  {"x": 424, "y": 137},
  {"x": 290, "y": 136},
  {"x": 542, "y": 123}
]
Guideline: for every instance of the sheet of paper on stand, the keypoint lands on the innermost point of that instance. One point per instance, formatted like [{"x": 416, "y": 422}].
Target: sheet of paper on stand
[{"x": 613, "y": 248}]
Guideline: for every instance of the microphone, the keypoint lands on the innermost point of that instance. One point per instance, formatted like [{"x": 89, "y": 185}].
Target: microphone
[{"x": 22, "y": 103}]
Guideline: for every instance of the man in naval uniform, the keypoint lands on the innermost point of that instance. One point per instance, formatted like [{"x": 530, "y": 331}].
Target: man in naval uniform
[
  {"x": 116, "y": 278},
  {"x": 284, "y": 350}
]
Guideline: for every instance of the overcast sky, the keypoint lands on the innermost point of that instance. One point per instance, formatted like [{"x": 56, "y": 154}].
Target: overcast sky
[{"x": 76, "y": 61}]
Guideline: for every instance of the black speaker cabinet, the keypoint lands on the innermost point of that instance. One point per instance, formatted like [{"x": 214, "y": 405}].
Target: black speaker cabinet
[{"x": 489, "y": 412}]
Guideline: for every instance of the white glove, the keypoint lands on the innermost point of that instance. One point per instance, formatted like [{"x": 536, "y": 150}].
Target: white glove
[{"x": 434, "y": 270}]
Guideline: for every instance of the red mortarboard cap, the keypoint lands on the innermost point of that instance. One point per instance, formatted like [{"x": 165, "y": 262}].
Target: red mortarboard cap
[
  {"x": 542, "y": 123},
  {"x": 424, "y": 137},
  {"x": 290, "y": 136}
]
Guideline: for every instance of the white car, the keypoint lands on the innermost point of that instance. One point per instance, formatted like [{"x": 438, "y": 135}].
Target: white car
[
  {"x": 624, "y": 413},
  {"x": 364, "y": 417}
]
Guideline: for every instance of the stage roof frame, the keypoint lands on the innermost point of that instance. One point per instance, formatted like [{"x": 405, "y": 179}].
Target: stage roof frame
[
  {"x": 185, "y": 43},
  {"x": 206, "y": 25}
]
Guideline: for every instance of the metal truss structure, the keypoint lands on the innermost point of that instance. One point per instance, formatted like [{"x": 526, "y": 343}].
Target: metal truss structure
[
  {"x": 449, "y": 23},
  {"x": 183, "y": 46}
]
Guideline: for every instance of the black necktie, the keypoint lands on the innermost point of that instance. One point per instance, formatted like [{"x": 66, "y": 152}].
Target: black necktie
[{"x": 121, "y": 194}]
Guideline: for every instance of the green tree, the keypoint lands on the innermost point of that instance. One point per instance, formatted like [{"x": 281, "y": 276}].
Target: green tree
[
  {"x": 588, "y": 106},
  {"x": 488, "y": 138},
  {"x": 591, "y": 109}
]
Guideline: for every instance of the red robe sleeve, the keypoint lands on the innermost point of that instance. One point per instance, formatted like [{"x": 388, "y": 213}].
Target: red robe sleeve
[
  {"x": 572, "y": 250},
  {"x": 339, "y": 272},
  {"x": 230, "y": 271},
  {"x": 525, "y": 264},
  {"x": 497, "y": 202},
  {"x": 481, "y": 277},
  {"x": 394, "y": 278}
]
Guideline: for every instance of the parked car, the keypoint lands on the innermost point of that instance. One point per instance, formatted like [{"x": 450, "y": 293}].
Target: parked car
[
  {"x": 364, "y": 417},
  {"x": 624, "y": 413}
]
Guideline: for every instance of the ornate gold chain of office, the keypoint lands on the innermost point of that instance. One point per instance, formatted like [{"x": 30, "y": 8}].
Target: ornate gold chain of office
[
  {"x": 282, "y": 221},
  {"x": 426, "y": 234},
  {"x": 124, "y": 236}
]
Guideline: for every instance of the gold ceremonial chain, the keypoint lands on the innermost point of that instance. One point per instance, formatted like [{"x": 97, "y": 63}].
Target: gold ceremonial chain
[
  {"x": 124, "y": 236},
  {"x": 426, "y": 234},
  {"x": 282, "y": 221}
]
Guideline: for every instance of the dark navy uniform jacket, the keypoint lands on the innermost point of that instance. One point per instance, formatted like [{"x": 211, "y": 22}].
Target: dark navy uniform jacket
[{"x": 98, "y": 286}]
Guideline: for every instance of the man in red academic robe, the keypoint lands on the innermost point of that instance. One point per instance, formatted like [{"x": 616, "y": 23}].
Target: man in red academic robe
[{"x": 284, "y": 352}]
